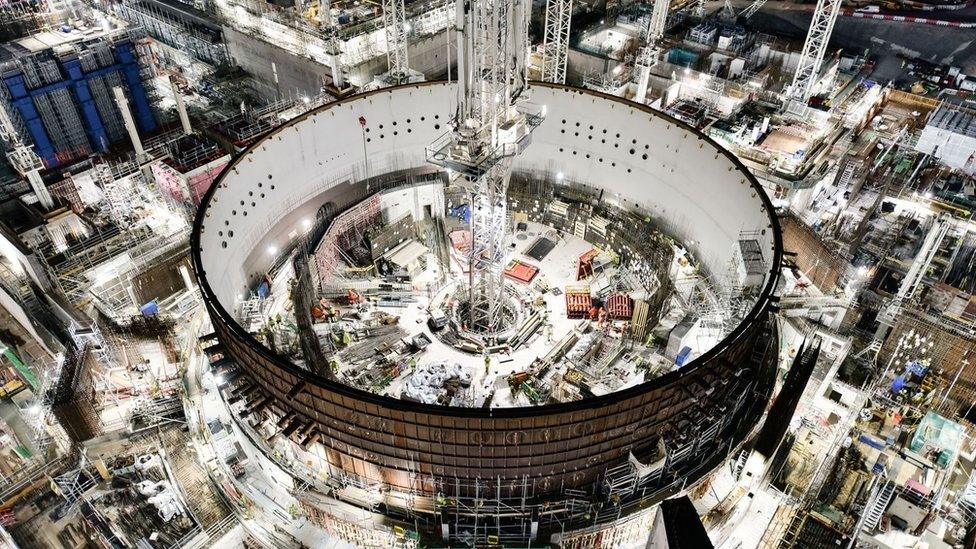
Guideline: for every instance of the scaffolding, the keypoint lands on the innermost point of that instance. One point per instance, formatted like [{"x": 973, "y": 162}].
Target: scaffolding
[
  {"x": 179, "y": 26},
  {"x": 344, "y": 232},
  {"x": 72, "y": 127}
]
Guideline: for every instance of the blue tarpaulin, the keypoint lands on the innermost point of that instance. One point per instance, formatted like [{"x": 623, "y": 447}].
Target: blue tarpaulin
[
  {"x": 462, "y": 212},
  {"x": 872, "y": 442},
  {"x": 897, "y": 384},
  {"x": 150, "y": 308},
  {"x": 683, "y": 355}
]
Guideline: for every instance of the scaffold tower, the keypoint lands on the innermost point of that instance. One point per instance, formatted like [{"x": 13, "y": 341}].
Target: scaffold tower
[
  {"x": 395, "y": 21},
  {"x": 555, "y": 44},
  {"x": 23, "y": 158},
  {"x": 487, "y": 132}
]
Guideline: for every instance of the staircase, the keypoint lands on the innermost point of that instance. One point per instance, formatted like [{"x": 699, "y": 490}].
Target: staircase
[
  {"x": 206, "y": 506},
  {"x": 845, "y": 175},
  {"x": 740, "y": 464},
  {"x": 876, "y": 511}
]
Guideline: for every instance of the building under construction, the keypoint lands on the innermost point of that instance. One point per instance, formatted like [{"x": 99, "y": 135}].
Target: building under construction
[
  {"x": 592, "y": 467},
  {"x": 62, "y": 98}
]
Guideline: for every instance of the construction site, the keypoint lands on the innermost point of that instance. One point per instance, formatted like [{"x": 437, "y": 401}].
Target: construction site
[
  {"x": 589, "y": 309},
  {"x": 487, "y": 274}
]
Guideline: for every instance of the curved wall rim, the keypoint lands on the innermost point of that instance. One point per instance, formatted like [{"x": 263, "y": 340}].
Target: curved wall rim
[{"x": 219, "y": 312}]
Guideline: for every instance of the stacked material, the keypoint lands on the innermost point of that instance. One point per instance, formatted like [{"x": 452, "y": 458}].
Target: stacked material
[
  {"x": 619, "y": 306},
  {"x": 584, "y": 264},
  {"x": 578, "y": 301},
  {"x": 428, "y": 380},
  {"x": 522, "y": 272}
]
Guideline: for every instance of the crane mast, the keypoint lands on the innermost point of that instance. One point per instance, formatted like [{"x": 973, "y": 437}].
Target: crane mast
[
  {"x": 489, "y": 128},
  {"x": 647, "y": 54},
  {"x": 812, "y": 55},
  {"x": 395, "y": 21},
  {"x": 555, "y": 43}
]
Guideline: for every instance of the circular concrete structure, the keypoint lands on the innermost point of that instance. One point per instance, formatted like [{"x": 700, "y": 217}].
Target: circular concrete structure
[{"x": 429, "y": 462}]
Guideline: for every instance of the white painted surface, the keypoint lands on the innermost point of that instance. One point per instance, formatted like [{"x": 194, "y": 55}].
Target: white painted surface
[{"x": 694, "y": 190}]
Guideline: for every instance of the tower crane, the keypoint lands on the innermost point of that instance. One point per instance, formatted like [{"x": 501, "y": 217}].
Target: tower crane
[
  {"x": 812, "y": 54},
  {"x": 395, "y": 21},
  {"x": 555, "y": 43},
  {"x": 647, "y": 54},
  {"x": 490, "y": 126},
  {"x": 327, "y": 24},
  {"x": 751, "y": 10}
]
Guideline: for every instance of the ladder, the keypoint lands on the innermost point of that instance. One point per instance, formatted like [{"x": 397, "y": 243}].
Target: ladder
[
  {"x": 579, "y": 229},
  {"x": 845, "y": 176}
]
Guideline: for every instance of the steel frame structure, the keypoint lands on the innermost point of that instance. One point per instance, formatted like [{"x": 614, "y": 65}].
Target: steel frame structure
[
  {"x": 395, "y": 21},
  {"x": 23, "y": 158},
  {"x": 487, "y": 131},
  {"x": 814, "y": 48},
  {"x": 752, "y": 9},
  {"x": 555, "y": 43},
  {"x": 477, "y": 475},
  {"x": 650, "y": 33}
]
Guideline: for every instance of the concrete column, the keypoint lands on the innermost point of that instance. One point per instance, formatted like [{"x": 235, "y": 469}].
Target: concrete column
[
  {"x": 130, "y": 126},
  {"x": 180, "y": 107}
]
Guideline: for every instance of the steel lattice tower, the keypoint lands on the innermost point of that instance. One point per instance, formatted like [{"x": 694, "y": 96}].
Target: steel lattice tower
[
  {"x": 555, "y": 44},
  {"x": 814, "y": 47},
  {"x": 487, "y": 132},
  {"x": 395, "y": 21},
  {"x": 651, "y": 32}
]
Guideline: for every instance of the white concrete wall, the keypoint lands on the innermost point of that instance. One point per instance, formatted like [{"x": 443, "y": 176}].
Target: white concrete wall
[
  {"x": 296, "y": 75},
  {"x": 427, "y": 55},
  {"x": 412, "y": 200},
  {"x": 691, "y": 187}
]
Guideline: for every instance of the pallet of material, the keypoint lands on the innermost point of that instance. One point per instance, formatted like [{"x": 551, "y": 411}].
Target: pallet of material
[
  {"x": 460, "y": 240},
  {"x": 619, "y": 306},
  {"x": 584, "y": 265},
  {"x": 522, "y": 272},
  {"x": 639, "y": 320},
  {"x": 578, "y": 301}
]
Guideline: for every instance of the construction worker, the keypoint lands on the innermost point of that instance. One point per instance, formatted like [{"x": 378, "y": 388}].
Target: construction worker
[{"x": 487, "y": 362}]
